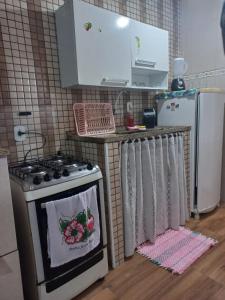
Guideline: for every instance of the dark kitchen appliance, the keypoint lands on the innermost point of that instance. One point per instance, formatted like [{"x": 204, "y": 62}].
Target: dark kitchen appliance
[
  {"x": 149, "y": 117},
  {"x": 222, "y": 24},
  {"x": 180, "y": 67},
  {"x": 177, "y": 84}
]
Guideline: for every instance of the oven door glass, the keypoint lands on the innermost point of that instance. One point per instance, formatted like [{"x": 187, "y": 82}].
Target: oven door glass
[{"x": 59, "y": 275}]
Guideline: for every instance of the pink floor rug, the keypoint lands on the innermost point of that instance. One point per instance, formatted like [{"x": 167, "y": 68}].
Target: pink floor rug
[{"x": 176, "y": 250}]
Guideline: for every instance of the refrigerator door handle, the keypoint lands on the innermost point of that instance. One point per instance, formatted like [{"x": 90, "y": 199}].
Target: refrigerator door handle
[
  {"x": 197, "y": 141},
  {"x": 196, "y": 150}
]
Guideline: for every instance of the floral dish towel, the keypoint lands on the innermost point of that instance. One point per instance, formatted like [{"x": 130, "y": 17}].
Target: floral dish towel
[{"x": 73, "y": 227}]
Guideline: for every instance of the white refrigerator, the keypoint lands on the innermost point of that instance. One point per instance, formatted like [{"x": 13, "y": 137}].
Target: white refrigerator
[{"x": 204, "y": 112}]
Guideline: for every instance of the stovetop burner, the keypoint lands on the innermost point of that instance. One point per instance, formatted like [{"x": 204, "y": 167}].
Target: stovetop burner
[
  {"x": 57, "y": 162},
  {"x": 48, "y": 171},
  {"x": 70, "y": 165},
  {"x": 36, "y": 169},
  {"x": 27, "y": 168}
]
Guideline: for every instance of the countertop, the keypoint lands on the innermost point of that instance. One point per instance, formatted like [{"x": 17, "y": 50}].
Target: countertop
[
  {"x": 117, "y": 137},
  {"x": 3, "y": 152}
]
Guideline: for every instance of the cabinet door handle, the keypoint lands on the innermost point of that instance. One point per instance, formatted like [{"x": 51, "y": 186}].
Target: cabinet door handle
[
  {"x": 112, "y": 81},
  {"x": 145, "y": 63}
]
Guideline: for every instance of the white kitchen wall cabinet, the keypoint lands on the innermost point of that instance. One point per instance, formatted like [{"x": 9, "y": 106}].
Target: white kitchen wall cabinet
[
  {"x": 100, "y": 48},
  {"x": 150, "y": 59},
  {"x": 93, "y": 48}
]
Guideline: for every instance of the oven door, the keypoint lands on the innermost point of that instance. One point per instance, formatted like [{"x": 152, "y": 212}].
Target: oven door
[{"x": 55, "y": 277}]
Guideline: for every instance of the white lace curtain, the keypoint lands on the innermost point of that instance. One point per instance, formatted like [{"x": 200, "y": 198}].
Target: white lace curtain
[{"x": 153, "y": 187}]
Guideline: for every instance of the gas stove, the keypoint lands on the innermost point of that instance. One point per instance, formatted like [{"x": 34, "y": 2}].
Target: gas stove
[
  {"x": 46, "y": 180},
  {"x": 44, "y": 172}
]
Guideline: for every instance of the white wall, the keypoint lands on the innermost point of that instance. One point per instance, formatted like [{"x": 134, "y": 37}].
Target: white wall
[
  {"x": 202, "y": 47},
  {"x": 202, "y": 44}
]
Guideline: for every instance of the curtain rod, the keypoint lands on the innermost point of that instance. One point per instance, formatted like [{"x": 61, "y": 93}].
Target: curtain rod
[{"x": 163, "y": 136}]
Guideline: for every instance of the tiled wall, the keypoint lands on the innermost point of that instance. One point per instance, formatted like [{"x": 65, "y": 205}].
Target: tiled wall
[
  {"x": 29, "y": 68},
  {"x": 207, "y": 79}
]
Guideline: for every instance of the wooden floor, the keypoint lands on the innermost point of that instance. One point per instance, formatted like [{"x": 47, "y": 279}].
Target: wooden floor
[{"x": 139, "y": 279}]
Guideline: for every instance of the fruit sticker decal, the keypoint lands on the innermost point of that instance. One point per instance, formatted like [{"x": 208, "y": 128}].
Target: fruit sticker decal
[
  {"x": 77, "y": 228},
  {"x": 87, "y": 26},
  {"x": 138, "y": 42}
]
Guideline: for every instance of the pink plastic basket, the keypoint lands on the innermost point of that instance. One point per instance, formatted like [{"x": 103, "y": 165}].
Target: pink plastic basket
[{"x": 93, "y": 118}]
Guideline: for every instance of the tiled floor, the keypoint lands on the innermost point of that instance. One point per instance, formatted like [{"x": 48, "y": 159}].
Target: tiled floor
[{"x": 138, "y": 279}]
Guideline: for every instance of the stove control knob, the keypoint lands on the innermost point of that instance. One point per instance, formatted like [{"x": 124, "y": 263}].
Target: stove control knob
[
  {"x": 47, "y": 177},
  {"x": 37, "y": 180},
  {"x": 89, "y": 166},
  {"x": 66, "y": 173},
  {"x": 56, "y": 175}
]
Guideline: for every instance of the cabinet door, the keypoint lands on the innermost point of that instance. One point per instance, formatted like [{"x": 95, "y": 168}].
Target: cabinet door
[
  {"x": 10, "y": 278},
  {"x": 7, "y": 228},
  {"x": 149, "y": 47},
  {"x": 102, "y": 46}
]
